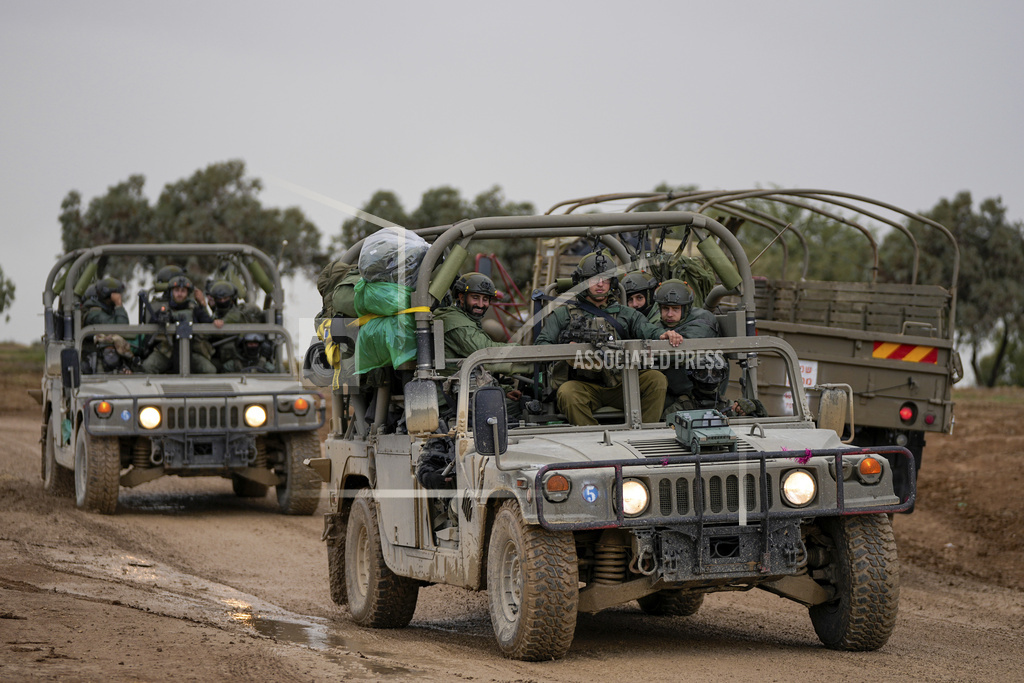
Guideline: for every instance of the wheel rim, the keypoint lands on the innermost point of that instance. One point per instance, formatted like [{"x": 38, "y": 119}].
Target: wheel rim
[
  {"x": 511, "y": 582},
  {"x": 362, "y": 568}
]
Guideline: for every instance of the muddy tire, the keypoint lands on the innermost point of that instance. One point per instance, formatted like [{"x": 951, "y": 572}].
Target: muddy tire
[
  {"x": 376, "y": 596},
  {"x": 864, "y": 572},
  {"x": 671, "y": 603},
  {"x": 58, "y": 480},
  {"x": 336, "y": 572},
  {"x": 532, "y": 583},
  {"x": 300, "y": 493},
  {"x": 97, "y": 472},
  {"x": 247, "y": 488}
]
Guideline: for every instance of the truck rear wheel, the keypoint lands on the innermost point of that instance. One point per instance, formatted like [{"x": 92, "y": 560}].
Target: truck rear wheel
[
  {"x": 57, "y": 480},
  {"x": 532, "y": 583},
  {"x": 864, "y": 572},
  {"x": 671, "y": 603},
  {"x": 300, "y": 492},
  {"x": 377, "y": 597},
  {"x": 97, "y": 472}
]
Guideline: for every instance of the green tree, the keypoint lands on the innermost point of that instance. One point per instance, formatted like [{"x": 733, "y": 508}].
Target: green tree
[
  {"x": 990, "y": 290},
  {"x": 220, "y": 204},
  {"x": 216, "y": 204},
  {"x": 122, "y": 215},
  {"x": 383, "y": 204},
  {"x": 6, "y": 295},
  {"x": 444, "y": 205},
  {"x": 516, "y": 255}
]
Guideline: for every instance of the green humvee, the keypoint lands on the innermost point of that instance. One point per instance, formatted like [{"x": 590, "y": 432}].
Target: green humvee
[
  {"x": 553, "y": 519},
  {"x": 105, "y": 428}
]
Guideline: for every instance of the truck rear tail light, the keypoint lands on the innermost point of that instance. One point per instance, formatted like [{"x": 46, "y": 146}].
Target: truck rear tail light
[
  {"x": 929, "y": 419},
  {"x": 908, "y": 413}
]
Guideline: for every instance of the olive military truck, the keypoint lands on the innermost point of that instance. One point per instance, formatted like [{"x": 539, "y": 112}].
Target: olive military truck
[
  {"x": 107, "y": 423},
  {"x": 891, "y": 341},
  {"x": 552, "y": 519}
]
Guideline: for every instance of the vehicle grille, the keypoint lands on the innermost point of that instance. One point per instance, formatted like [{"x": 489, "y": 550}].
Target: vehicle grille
[
  {"x": 202, "y": 417},
  {"x": 721, "y": 492}
]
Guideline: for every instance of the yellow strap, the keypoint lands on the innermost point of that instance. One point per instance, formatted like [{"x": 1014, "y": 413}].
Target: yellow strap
[{"x": 370, "y": 316}]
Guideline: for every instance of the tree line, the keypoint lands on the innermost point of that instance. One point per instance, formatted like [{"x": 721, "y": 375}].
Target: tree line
[{"x": 221, "y": 204}]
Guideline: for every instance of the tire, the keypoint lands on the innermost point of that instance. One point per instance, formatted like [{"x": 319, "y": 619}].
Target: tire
[
  {"x": 58, "y": 480},
  {"x": 377, "y": 597},
  {"x": 532, "y": 583},
  {"x": 864, "y": 571},
  {"x": 247, "y": 488},
  {"x": 97, "y": 472},
  {"x": 300, "y": 493},
  {"x": 671, "y": 603}
]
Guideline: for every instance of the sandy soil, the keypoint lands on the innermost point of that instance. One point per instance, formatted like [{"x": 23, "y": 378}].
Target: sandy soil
[{"x": 188, "y": 582}]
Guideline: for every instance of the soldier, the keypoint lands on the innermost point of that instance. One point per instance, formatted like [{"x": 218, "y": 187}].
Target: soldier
[
  {"x": 463, "y": 327},
  {"x": 182, "y": 305},
  {"x": 253, "y": 354},
  {"x": 105, "y": 307},
  {"x": 639, "y": 287},
  {"x": 227, "y": 311},
  {"x": 586, "y": 389},
  {"x": 675, "y": 305}
]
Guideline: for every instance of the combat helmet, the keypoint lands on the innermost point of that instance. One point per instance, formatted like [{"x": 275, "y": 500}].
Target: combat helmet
[
  {"x": 474, "y": 283},
  {"x": 107, "y": 286},
  {"x": 595, "y": 263},
  {"x": 223, "y": 294},
  {"x": 639, "y": 282},
  {"x": 164, "y": 275},
  {"x": 674, "y": 293}
]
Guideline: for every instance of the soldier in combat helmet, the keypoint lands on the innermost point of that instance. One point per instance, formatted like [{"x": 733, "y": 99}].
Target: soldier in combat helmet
[
  {"x": 587, "y": 390},
  {"x": 639, "y": 287},
  {"x": 675, "y": 305},
  {"x": 463, "y": 325},
  {"x": 182, "y": 305}
]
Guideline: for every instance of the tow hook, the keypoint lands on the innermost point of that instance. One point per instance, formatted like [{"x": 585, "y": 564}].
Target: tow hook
[{"x": 643, "y": 561}]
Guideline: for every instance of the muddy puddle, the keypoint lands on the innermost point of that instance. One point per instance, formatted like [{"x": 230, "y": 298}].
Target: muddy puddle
[{"x": 158, "y": 588}]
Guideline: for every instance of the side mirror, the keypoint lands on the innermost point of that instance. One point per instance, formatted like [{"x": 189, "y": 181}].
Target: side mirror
[
  {"x": 836, "y": 402},
  {"x": 70, "y": 368},
  {"x": 421, "y": 409},
  {"x": 490, "y": 422}
]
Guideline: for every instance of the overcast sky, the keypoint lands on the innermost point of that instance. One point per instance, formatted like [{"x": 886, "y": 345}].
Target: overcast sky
[{"x": 906, "y": 102}]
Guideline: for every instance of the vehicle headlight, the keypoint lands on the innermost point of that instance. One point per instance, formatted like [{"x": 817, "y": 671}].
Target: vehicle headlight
[
  {"x": 798, "y": 488},
  {"x": 149, "y": 417},
  {"x": 634, "y": 497},
  {"x": 255, "y": 416}
]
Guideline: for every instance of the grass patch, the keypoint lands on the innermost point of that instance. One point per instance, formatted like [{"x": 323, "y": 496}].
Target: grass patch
[
  {"x": 1004, "y": 395},
  {"x": 17, "y": 359}
]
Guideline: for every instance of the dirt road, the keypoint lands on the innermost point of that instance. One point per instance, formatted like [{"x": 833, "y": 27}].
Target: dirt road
[{"x": 188, "y": 582}]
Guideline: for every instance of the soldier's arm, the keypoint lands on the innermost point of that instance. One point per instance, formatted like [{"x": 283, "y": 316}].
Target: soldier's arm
[
  {"x": 552, "y": 326},
  {"x": 462, "y": 341}
]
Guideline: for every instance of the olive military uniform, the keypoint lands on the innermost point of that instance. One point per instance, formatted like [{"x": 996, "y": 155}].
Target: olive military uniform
[
  {"x": 698, "y": 324},
  {"x": 586, "y": 390},
  {"x": 159, "y": 359}
]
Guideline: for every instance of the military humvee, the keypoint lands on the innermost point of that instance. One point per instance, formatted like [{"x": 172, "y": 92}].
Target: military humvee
[
  {"x": 104, "y": 428},
  {"x": 891, "y": 341},
  {"x": 552, "y": 519}
]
